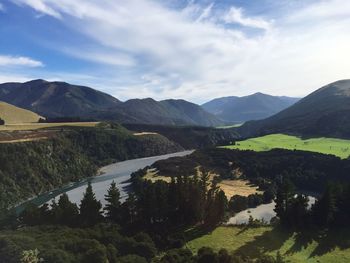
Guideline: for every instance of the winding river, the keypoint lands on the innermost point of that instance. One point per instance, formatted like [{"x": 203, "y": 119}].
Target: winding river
[{"x": 118, "y": 172}]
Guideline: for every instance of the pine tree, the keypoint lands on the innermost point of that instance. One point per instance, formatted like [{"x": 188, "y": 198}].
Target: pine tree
[
  {"x": 284, "y": 198},
  {"x": 90, "y": 208},
  {"x": 325, "y": 208},
  {"x": 113, "y": 206},
  {"x": 67, "y": 212},
  {"x": 129, "y": 208}
]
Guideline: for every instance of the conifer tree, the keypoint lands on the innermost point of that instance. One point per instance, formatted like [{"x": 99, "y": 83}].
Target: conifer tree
[
  {"x": 90, "y": 208},
  {"x": 113, "y": 206}
]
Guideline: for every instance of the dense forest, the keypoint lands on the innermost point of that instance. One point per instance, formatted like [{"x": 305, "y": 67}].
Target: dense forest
[
  {"x": 149, "y": 226},
  {"x": 30, "y": 168},
  {"x": 190, "y": 137},
  {"x": 308, "y": 171}
]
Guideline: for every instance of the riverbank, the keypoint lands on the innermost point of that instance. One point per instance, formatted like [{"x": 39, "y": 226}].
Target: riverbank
[
  {"x": 118, "y": 172},
  {"x": 33, "y": 168}
]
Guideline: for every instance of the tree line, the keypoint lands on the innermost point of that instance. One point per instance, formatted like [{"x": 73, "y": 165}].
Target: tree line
[
  {"x": 183, "y": 201},
  {"x": 331, "y": 209}
]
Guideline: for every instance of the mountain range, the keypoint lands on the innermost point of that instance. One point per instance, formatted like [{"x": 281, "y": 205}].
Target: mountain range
[
  {"x": 325, "y": 112},
  {"x": 55, "y": 99},
  {"x": 60, "y": 99},
  {"x": 253, "y": 107}
]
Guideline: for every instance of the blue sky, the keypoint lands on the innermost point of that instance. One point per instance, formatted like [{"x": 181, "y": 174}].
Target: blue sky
[{"x": 195, "y": 50}]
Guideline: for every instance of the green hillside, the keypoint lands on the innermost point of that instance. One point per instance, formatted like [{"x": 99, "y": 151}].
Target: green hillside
[
  {"x": 333, "y": 146},
  {"x": 257, "y": 241}
]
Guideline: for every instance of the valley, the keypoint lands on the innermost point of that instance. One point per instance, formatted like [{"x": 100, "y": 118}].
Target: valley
[
  {"x": 176, "y": 131},
  {"x": 157, "y": 188}
]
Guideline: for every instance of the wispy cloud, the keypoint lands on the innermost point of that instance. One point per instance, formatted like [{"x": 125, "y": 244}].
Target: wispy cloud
[
  {"x": 6, "y": 60},
  {"x": 199, "y": 52},
  {"x": 2, "y": 7},
  {"x": 236, "y": 15}
]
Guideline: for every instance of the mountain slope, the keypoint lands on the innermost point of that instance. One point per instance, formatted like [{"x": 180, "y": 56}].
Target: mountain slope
[
  {"x": 325, "y": 112},
  {"x": 12, "y": 114},
  {"x": 253, "y": 107},
  {"x": 166, "y": 112},
  {"x": 60, "y": 99},
  {"x": 55, "y": 99}
]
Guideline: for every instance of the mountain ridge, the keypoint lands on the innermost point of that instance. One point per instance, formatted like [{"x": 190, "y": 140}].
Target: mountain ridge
[
  {"x": 251, "y": 107},
  {"x": 60, "y": 99},
  {"x": 324, "y": 112}
]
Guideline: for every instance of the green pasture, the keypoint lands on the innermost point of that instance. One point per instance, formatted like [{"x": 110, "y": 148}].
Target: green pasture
[
  {"x": 307, "y": 246},
  {"x": 338, "y": 147}
]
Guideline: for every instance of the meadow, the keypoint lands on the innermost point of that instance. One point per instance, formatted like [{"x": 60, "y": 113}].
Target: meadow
[
  {"x": 309, "y": 246},
  {"x": 337, "y": 147}
]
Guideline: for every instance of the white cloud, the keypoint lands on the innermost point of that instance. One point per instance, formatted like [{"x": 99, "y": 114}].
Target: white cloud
[
  {"x": 2, "y": 7},
  {"x": 235, "y": 15},
  {"x": 6, "y": 60},
  {"x": 192, "y": 54},
  {"x": 40, "y": 6}
]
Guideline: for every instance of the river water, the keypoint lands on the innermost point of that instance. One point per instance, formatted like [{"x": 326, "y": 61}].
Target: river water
[
  {"x": 118, "y": 172},
  {"x": 262, "y": 212}
]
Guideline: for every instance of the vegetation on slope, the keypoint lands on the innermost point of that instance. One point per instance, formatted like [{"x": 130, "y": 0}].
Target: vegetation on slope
[
  {"x": 189, "y": 137},
  {"x": 307, "y": 170},
  {"x": 31, "y": 168},
  {"x": 337, "y": 147},
  {"x": 323, "y": 113}
]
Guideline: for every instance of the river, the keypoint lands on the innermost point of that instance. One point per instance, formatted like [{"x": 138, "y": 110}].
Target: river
[
  {"x": 262, "y": 212},
  {"x": 118, "y": 172}
]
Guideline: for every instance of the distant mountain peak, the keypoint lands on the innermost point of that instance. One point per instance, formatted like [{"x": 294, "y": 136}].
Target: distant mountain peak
[
  {"x": 252, "y": 107},
  {"x": 324, "y": 112}
]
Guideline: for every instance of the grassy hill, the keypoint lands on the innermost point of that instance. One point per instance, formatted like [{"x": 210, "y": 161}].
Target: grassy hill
[
  {"x": 310, "y": 246},
  {"x": 12, "y": 114},
  {"x": 337, "y": 147}
]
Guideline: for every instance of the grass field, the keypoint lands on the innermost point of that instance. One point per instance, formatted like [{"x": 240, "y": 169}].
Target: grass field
[
  {"x": 12, "y": 114},
  {"x": 36, "y": 126},
  {"x": 307, "y": 247},
  {"x": 333, "y": 146}
]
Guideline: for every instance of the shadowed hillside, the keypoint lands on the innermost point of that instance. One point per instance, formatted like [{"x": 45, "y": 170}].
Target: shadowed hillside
[
  {"x": 325, "y": 112},
  {"x": 253, "y": 107}
]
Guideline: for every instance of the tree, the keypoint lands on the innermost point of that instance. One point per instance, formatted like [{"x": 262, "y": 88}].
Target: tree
[
  {"x": 113, "y": 206},
  {"x": 325, "y": 208},
  {"x": 90, "y": 208},
  {"x": 66, "y": 212},
  {"x": 129, "y": 209},
  {"x": 31, "y": 215},
  {"x": 284, "y": 197},
  {"x": 31, "y": 256}
]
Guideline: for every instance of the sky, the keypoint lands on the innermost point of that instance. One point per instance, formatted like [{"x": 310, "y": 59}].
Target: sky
[{"x": 188, "y": 49}]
